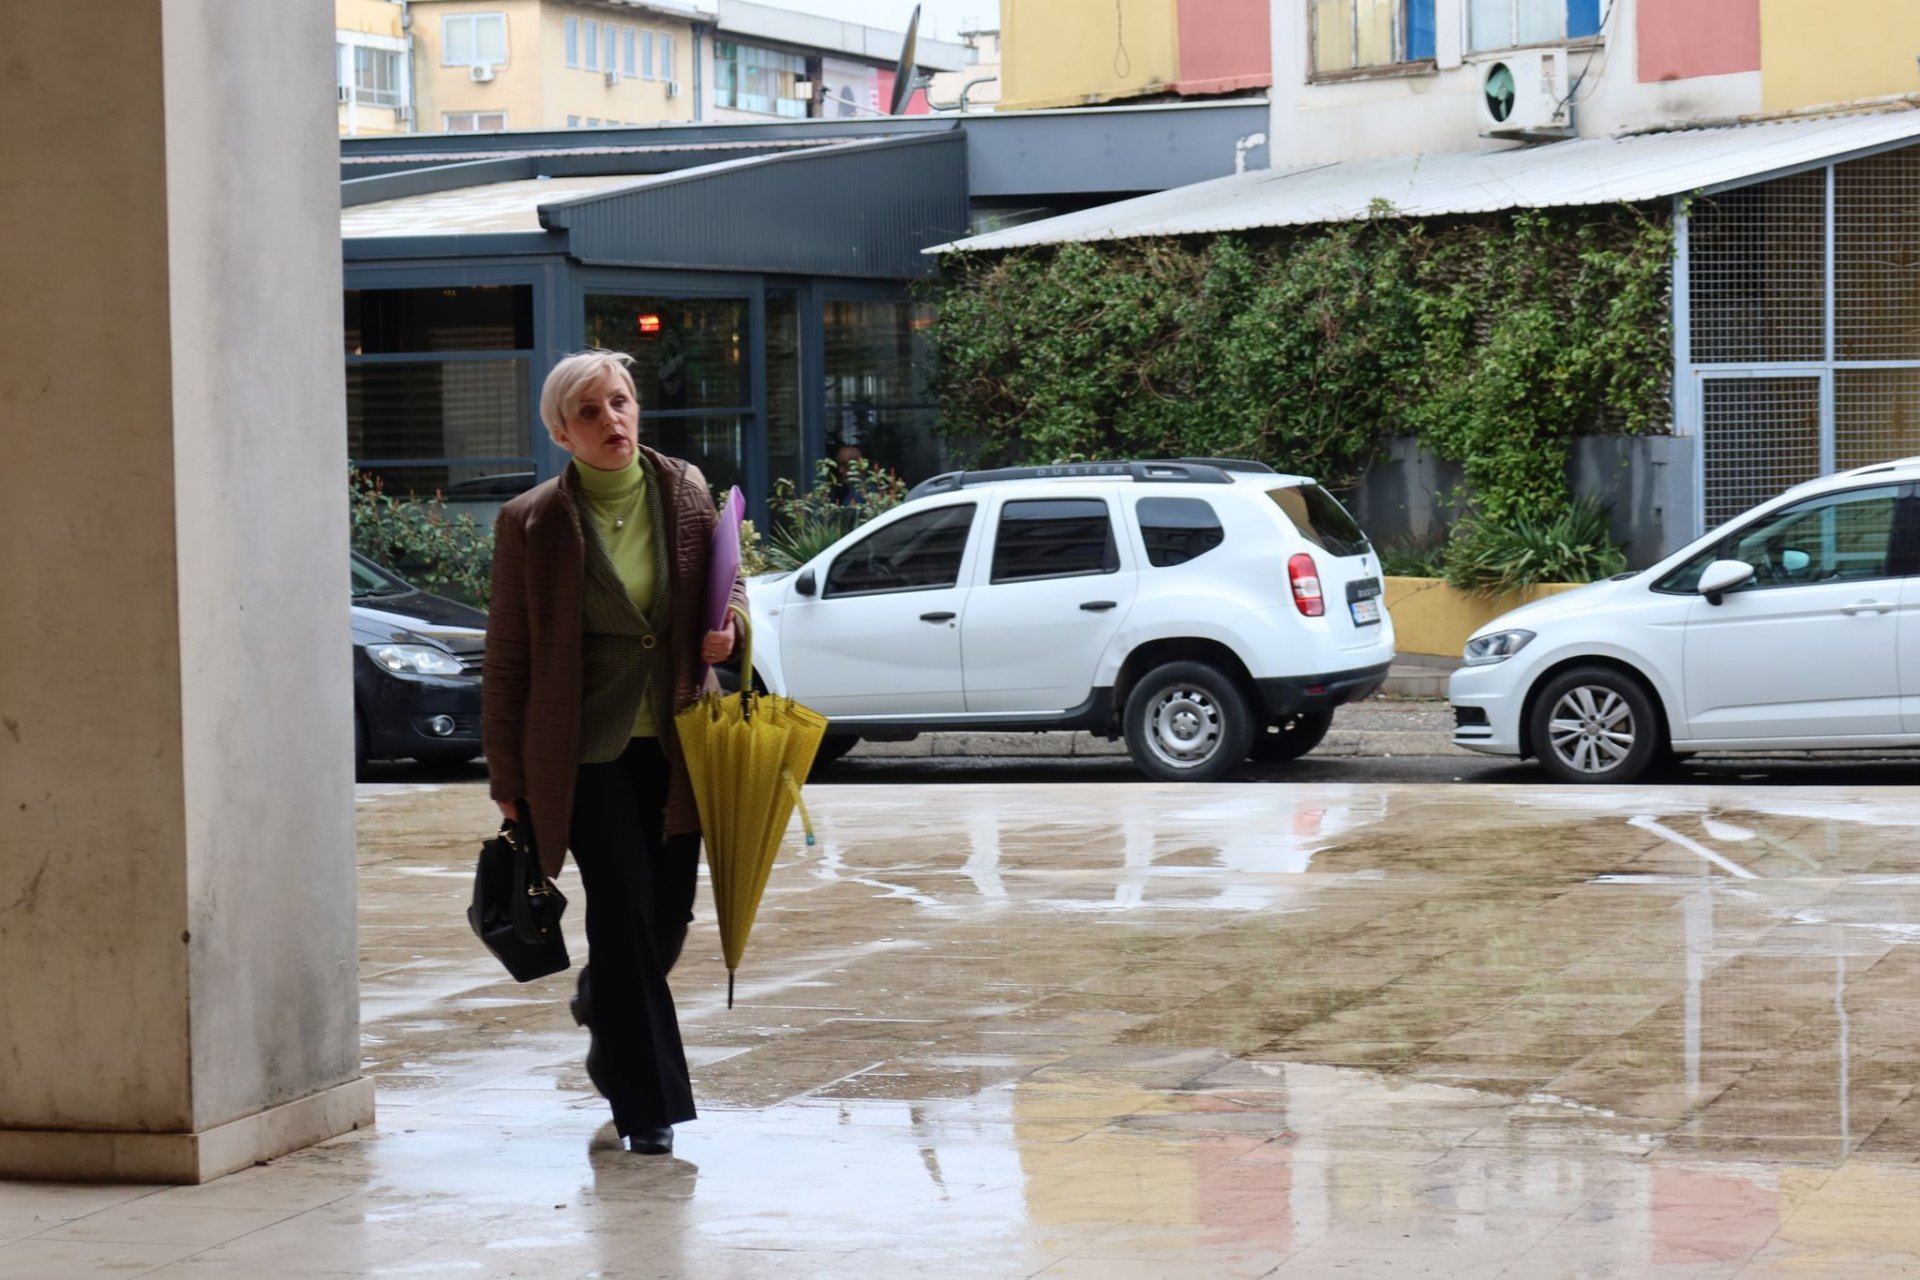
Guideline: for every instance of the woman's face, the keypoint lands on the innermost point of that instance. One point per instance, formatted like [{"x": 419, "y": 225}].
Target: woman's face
[{"x": 604, "y": 428}]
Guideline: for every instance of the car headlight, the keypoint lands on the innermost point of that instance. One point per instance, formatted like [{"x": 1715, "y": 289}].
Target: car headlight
[
  {"x": 1497, "y": 647},
  {"x": 415, "y": 659}
]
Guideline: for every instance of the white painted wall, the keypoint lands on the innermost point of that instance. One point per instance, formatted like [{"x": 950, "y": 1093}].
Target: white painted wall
[{"x": 1408, "y": 114}]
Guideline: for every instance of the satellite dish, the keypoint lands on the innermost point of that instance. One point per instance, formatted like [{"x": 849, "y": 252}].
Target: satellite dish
[{"x": 903, "y": 73}]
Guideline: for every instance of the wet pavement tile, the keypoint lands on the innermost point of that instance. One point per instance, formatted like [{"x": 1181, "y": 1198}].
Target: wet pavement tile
[{"x": 1131, "y": 1030}]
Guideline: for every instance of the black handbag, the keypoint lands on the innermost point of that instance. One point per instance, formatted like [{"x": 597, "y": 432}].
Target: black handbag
[{"x": 516, "y": 910}]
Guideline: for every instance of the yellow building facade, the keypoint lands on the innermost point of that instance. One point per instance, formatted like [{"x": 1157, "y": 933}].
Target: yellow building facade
[
  {"x": 487, "y": 65},
  {"x": 1072, "y": 53},
  {"x": 1814, "y": 52}
]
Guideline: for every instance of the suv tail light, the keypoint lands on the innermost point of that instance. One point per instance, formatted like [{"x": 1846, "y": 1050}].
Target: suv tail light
[{"x": 1305, "y": 580}]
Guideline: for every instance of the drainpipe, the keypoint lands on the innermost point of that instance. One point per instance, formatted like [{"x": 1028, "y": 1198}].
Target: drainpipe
[
  {"x": 413, "y": 89},
  {"x": 699, "y": 112}
]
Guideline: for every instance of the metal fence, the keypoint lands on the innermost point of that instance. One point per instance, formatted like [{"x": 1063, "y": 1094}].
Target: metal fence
[{"x": 1798, "y": 327}]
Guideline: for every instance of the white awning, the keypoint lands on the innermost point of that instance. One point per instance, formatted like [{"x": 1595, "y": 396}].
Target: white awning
[{"x": 1585, "y": 171}]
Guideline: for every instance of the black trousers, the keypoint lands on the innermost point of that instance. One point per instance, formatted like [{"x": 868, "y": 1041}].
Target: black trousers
[{"x": 639, "y": 888}]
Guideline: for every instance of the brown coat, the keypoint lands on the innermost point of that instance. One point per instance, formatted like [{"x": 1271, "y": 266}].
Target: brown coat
[{"x": 530, "y": 725}]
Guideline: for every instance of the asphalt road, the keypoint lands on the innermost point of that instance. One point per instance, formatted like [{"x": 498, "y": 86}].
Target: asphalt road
[{"x": 1832, "y": 771}]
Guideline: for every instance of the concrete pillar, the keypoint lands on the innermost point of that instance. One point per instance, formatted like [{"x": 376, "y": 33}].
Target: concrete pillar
[{"x": 176, "y": 806}]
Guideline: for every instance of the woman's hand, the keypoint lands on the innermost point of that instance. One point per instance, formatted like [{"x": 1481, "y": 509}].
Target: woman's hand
[
  {"x": 508, "y": 810},
  {"x": 717, "y": 647}
]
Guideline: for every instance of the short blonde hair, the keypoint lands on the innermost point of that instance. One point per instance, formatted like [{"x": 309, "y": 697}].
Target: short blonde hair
[{"x": 570, "y": 379}]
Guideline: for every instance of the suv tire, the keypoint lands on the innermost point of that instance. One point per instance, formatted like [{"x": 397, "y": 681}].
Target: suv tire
[
  {"x": 1291, "y": 737},
  {"x": 1608, "y": 729},
  {"x": 832, "y": 748},
  {"x": 1187, "y": 722}
]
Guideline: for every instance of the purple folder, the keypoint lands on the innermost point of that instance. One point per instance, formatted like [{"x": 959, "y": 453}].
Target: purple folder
[{"x": 723, "y": 559}]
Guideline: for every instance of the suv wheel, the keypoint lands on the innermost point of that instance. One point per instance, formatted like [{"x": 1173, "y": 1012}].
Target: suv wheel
[
  {"x": 832, "y": 747},
  {"x": 1595, "y": 724},
  {"x": 1187, "y": 722},
  {"x": 1291, "y": 737}
]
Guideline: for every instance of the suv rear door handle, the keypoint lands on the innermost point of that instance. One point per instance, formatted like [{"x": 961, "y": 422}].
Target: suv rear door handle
[
  {"x": 936, "y": 617},
  {"x": 1868, "y": 606},
  {"x": 1099, "y": 606}
]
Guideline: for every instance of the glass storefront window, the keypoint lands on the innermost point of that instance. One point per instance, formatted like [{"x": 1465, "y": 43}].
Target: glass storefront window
[
  {"x": 481, "y": 318},
  {"x": 713, "y": 443},
  {"x": 688, "y": 353},
  {"x": 449, "y": 423},
  {"x": 783, "y": 385},
  {"x": 452, "y": 416},
  {"x": 879, "y": 361}
]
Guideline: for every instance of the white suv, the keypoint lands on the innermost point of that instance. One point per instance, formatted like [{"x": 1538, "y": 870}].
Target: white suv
[
  {"x": 1208, "y": 609},
  {"x": 1796, "y": 625}
]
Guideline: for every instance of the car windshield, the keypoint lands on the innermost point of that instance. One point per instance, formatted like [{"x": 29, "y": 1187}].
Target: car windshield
[
  {"x": 1321, "y": 519},
  {"x": 369, "y": 579}
]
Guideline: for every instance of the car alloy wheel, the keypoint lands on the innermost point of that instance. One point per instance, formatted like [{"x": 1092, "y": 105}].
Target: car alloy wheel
[
  {"x": 1596, "y": 724},
  {"x": 1592, "y": 729}
]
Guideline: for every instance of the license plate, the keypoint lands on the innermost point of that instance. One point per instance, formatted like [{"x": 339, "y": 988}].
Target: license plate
[{"x": 1365, "y": 612}]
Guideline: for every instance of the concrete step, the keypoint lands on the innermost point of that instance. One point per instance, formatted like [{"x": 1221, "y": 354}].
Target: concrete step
[{"x": 1405, "y": 680}]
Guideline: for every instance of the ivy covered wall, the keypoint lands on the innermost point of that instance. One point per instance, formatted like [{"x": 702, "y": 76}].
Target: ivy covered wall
[{"x": 1495, "y": 341}]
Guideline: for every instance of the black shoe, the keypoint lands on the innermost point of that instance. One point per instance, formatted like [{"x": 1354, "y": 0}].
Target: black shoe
[{"x": 651, "y": 1142}]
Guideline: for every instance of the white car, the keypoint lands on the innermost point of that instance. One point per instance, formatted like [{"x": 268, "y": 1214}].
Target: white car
[
  {"x": 1793, "y": 626},
  {"x": 1206, "y": 609}
]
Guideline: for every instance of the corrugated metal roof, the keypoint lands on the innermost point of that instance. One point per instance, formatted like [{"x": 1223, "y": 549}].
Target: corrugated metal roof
[
  {"x": 1587, "y": 171},
  {"x": 491, "y": 209},
  {"x": 668, "y": 148},
  {"x": 859, "y": 209}
]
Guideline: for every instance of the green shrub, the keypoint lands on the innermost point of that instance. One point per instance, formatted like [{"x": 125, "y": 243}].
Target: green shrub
[
  {"x": 420, "y": 540},
  {"x": 1409, "y": 558},
  {"x": 1491, "y": 557},
  {"x": 1494, "y": 340},
  {"x": 805, "y": 524}
]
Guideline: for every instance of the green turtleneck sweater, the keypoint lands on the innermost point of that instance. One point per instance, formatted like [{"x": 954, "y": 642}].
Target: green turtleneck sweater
[{"x": 617, "y": 501}]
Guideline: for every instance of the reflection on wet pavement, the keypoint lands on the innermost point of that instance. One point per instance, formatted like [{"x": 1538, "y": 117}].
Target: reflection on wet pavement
[{"x": 1144, "y": 1031}]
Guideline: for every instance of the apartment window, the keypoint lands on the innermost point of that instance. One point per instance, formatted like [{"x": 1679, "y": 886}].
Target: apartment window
[
  {"x": 573, "y": 122},
  {"x": 470, "y": 38},
  {"x": 665, "y": 63},
  {"x": 376, "y": 76},
  {"x": 474, "y": 121},
  {"x": 646, "y": 55},
  {"x": 1503, "y": 24},
  {"x": 629, "y": 36},
  {"x": 1349, "y": 35},
  {"x": 593, "y": 122},
  {"x": 573, "y": 41},
  {"x": 613, "y": 47},
  {"x": 593, "y": 45},
  {"x": 749, "y": 78}
]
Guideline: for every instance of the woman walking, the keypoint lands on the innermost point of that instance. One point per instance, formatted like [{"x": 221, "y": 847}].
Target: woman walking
[{"x": 594, "y": 639}]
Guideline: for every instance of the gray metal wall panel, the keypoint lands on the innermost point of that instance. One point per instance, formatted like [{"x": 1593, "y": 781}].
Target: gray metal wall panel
[
  {"x": 863, "y": 211},
  {"x": 1012, "y": 154}
]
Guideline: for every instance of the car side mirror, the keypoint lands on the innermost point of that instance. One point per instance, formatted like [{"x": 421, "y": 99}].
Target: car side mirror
[
  {"x": 805, "y": 583},
  {"x": 1723, "y": 576}
]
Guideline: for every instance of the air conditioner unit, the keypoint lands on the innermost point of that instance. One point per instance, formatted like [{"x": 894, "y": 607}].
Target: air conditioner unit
[
  {"x": 480, "y": 72},
  {"x": 403, "y": 115},
  {"x": 345, "y": 91},
  {"x": 673, "y": 88},
  {"x": 613, "y": 78},
  {"x": 1524, "y": 95}
]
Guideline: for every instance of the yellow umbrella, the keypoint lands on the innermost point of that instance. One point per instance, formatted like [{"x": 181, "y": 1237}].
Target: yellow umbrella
[{"x": 747, "y": 755}]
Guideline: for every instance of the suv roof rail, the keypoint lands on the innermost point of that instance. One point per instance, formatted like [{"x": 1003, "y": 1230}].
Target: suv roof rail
[
  {"x": 1178, "y": 471},
  {"x": 1247, "y": 465}
]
